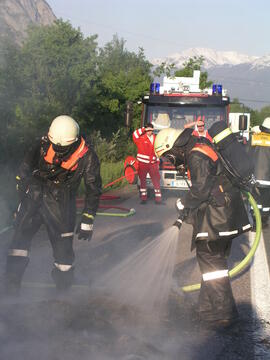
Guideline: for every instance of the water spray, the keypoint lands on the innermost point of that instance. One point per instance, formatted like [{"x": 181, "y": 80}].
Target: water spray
[{"x": 244, "y": 263}]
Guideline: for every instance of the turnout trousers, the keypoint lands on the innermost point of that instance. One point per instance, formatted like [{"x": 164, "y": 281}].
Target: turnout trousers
[
  {"x": 216, "y": 301},
  {"x": 57, "y": 212},
  {"x": 153, "y": 170}
]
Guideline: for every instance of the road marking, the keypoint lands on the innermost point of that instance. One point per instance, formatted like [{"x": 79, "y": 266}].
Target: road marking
[
  {"x": 260, "y": 283},
  {"x": 2, "y": 231}
]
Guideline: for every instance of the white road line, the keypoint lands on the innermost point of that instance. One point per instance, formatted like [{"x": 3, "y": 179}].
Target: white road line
[
  {"x": 260, "y": 281},
  {"x": 2, "y": 231}
]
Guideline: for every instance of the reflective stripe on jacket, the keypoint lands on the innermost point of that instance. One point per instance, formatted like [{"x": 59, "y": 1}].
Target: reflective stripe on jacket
[{"x": 146, "y": 153}]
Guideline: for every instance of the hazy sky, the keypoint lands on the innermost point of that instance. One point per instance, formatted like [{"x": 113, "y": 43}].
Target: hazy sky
[{"x": 166, "y": 27}]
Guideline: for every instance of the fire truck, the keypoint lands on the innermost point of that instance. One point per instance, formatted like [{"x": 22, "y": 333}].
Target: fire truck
[
  {"x": 182, "y": 101},
  {"x": 177, "y": 103}
]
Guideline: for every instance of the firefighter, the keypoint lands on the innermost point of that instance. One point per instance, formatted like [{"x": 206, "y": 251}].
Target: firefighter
[
  {"x": 200, "y": 129},
  {"x": 215, "y": 208},
  {"x": 260, "y": 154},
  {"x": 47, "y": 181},
  {"x": 148, "y": 162}
]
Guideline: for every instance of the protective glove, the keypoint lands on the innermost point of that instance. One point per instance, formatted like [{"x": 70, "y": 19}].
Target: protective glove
[
  {"x": 179, "y": 206},
  {"x": 178, "y": 223},
  {"x": 85, "y": 228},
  {"x": 182, "y": 213}
]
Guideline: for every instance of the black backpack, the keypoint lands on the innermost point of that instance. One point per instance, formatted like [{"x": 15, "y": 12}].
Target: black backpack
[{"x": 233, "y": 155}]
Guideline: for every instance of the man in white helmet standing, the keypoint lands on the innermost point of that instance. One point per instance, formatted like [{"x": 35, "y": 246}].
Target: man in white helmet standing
[
  {"x": 47, "y": 181},
  {"x": 215, "y": 208},
  {"x": 260, "y": 153}
]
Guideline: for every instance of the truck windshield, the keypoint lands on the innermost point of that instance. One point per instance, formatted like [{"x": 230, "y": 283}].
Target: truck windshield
[{"x": 179, "y": 116}]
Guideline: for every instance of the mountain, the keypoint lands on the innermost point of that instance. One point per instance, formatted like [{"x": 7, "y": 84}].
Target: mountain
[
  {"x": 245, "y": 77},
  {"x": 215, "y": 58},
  {"x": 17, "y": 15}
]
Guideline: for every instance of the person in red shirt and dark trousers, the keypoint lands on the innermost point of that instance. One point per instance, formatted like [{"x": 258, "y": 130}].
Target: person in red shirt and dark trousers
[{"x": 144, "y": 139}]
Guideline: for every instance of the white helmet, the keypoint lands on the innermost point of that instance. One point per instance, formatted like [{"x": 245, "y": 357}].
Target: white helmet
[
  {"x": 63, "y": 131},
  {"x": 256, "y": 129},
  {"x": 165, "y": 140},
  {"x": 265, "y": 125}
]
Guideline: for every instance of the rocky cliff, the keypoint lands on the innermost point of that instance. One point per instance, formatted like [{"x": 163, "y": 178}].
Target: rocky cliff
[{"x": 17, "y": 15}]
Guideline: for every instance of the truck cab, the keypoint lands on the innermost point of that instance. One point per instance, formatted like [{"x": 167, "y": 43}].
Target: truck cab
[{"x": 177, "y": 103}]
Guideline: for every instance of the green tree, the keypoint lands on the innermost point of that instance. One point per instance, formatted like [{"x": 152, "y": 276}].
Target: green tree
[
  {"x": 124, "y": 76},
  {"x": 256, "y": 116},
  {"x": 236, "y": 106},
  {"x": 195, "y": 63},
  {"x": 164, "y": 69},
  {"x": 54, "y": 73}
]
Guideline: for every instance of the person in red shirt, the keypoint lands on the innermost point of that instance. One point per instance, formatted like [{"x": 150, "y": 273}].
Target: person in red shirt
[
  {"x": 144, "y": 139},
  {"x": 200, "y": 129}
]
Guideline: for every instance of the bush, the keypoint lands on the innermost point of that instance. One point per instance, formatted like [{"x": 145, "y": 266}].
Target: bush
[{"x": 115, "y": 149}]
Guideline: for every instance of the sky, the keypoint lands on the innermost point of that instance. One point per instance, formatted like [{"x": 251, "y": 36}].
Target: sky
[{"x": 167, "y": 27}]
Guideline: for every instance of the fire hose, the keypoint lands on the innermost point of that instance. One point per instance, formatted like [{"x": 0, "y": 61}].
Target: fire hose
[
  {"x": 130, "y": 174},
  {"x": 125, "y": 212},
  {"x": 244, "y": 263}
]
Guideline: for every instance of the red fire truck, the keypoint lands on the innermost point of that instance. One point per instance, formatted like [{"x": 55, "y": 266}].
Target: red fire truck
[{"x": 177, "y": 102}]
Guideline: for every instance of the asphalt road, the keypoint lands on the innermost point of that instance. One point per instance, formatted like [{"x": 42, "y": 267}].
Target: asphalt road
[{"x": 42, "y": 324}]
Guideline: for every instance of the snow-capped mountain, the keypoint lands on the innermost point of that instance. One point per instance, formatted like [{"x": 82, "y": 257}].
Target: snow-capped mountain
[
  {"x": 215, "y": 58},
  {"x": 245, "y": 77},
  {"x": 261, "y": 62}
]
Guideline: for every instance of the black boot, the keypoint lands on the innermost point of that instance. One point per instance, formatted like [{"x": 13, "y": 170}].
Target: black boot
[
  {"x": 15, "y": 268},
  {"x": 63, "y": 279}
]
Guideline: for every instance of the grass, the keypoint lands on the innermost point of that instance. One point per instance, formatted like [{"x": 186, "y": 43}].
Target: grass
[{"x": 109, "y": 171}]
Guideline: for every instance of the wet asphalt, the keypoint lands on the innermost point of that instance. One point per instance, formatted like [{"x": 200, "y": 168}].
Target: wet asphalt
[{"x": 43, "y": 324}]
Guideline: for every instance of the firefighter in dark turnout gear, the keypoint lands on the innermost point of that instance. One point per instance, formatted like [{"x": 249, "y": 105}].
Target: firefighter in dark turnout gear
[
  {"x": 215, "y": 208},
  {"x": 260, "y": 155},
  {"x": 47, "y": 181}
]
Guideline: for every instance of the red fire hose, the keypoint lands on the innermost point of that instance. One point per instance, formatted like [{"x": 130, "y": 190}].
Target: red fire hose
[{"x": 130, "y": 174}]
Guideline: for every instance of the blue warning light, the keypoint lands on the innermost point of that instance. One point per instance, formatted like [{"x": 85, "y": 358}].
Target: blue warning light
[
  {"x": 152, "y": 88},
  {"x": 219, "y": 89}
]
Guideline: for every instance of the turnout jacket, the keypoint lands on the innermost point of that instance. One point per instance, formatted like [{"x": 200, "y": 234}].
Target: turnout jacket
[
  {"x": 41, "y": 178},
  {"x": 146, "y": 153},
  {"x": 216, "y": 208}
]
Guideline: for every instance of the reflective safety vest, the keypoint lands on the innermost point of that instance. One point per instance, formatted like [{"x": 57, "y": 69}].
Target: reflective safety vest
[
  {"x": 72, "y": 162},
  {"x": 262, "y": 139}
]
